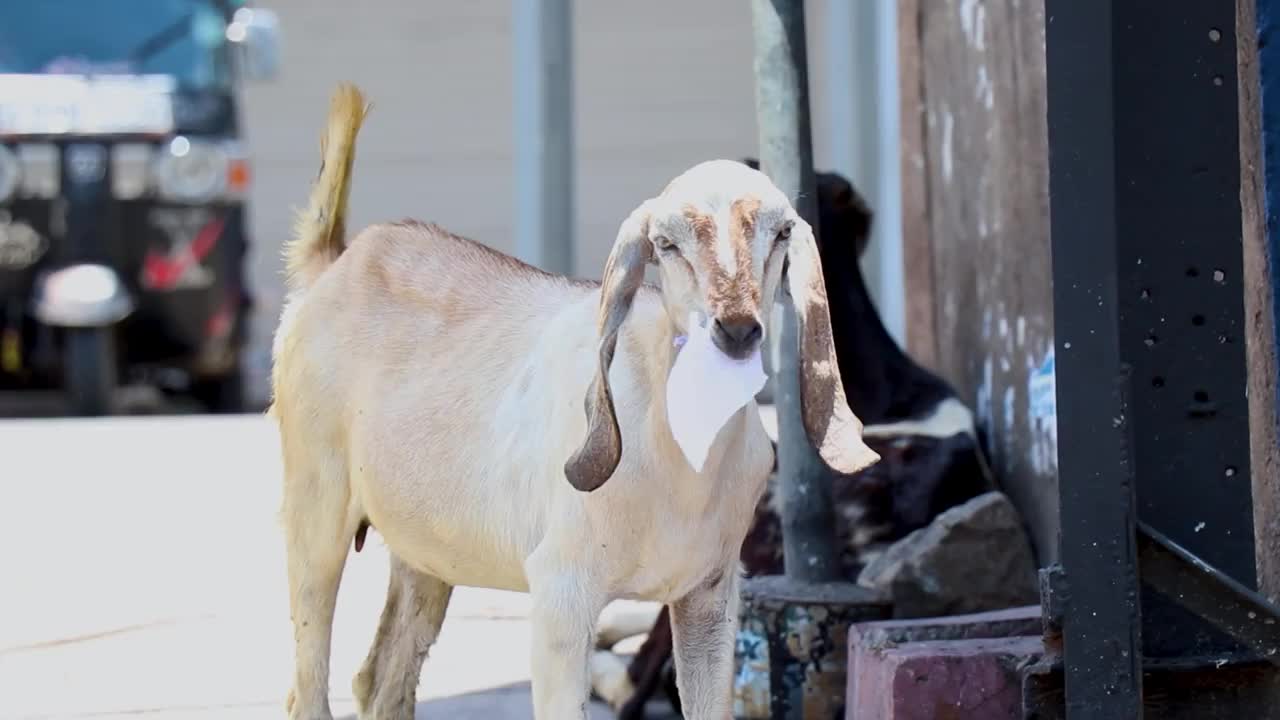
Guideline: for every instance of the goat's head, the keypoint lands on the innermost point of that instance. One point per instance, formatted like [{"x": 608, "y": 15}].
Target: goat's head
[
  {"x": 720, "y": 234},
  {"x": 843, "y": 215}
]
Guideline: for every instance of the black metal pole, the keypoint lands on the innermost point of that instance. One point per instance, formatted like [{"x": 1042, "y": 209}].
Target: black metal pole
[
  {"x": 786, "y": 155},
  {"x": 1101, "y": 624}
]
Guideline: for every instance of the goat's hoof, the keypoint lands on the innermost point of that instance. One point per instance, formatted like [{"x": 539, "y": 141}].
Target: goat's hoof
[
  {"x": 397, "y": 710},
  {"x": 362, "y": 690},
  {"x": 291, "y": 702}
]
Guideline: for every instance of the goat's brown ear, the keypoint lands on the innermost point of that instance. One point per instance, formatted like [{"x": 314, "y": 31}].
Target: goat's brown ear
[
  {"x": 832, "y": 427},
  {"x": 598, "y": 457}
]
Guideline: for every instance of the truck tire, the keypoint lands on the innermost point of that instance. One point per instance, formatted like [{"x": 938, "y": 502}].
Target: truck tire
[
  {"x": 223, "y": 395},
  {"x": 89, "y": 367}
]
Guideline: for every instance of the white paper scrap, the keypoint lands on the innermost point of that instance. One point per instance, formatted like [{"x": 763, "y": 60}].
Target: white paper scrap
[{"x": 705, "y": 388}]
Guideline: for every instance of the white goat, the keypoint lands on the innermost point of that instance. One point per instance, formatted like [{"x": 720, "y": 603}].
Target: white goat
[{"x": 433, "y": 388}]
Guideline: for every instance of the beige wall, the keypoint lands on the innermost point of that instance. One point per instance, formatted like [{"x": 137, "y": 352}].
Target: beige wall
[{"x": 659, "y": 86}]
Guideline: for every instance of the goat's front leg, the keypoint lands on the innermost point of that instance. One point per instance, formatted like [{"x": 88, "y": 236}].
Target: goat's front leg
[
  {"x": 565, "y": 608},
  {"x": 704, "y": 625}
]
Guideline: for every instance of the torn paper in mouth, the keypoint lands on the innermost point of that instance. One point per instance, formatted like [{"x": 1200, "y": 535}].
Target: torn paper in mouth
[{"x": 705, "y": 388}]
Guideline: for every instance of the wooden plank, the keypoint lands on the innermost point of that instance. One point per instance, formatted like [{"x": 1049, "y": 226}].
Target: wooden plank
[
  {"x": 917, "y": 247},
  {"x": 985, "y": 150},
  {"x": 1260, "y": 337}
]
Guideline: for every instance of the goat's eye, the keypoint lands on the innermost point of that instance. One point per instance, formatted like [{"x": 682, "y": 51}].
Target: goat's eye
[
  {"x": 783, "y": 235},
  {"x": 664, "y": 243}
]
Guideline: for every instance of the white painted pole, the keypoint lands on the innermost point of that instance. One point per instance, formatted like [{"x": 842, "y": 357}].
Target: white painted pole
[
  {"x": 860, "y": 55},
  {"x": 888, "y": 235}
]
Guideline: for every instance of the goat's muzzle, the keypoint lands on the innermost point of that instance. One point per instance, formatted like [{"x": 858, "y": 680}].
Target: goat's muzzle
[{"x": 737, "y": 337}]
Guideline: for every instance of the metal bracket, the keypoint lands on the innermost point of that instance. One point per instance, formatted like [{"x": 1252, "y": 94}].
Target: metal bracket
[
  {"x": 1204, "y": 590},
  {"x": 1053, "y": 598}
]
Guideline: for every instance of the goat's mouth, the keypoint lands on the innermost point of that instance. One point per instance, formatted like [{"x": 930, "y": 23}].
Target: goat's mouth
[{"x": 738, "y": 337}]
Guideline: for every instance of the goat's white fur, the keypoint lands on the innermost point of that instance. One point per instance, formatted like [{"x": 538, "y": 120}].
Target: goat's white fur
[{"x": 434, "y": 388}]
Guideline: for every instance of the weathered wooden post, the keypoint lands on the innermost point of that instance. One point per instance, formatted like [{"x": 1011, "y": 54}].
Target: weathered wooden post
[
  {"x": 1259, "y": 80},
  {"x": 792, "y": 641}
]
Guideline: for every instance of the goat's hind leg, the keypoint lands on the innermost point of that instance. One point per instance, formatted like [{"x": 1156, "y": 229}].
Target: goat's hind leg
[
  {"x": 318, "y": 528},
  {"x": 386, "y": 686}
]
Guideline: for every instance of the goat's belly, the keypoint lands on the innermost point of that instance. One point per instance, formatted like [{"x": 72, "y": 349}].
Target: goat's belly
[{"x": 454, "y": 553}]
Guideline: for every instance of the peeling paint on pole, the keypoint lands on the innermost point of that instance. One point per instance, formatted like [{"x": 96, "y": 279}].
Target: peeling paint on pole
[{"x": 751, "y": 682}]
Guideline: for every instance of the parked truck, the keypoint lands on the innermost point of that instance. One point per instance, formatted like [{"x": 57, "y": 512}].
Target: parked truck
[{"x": 123, "y": 181}]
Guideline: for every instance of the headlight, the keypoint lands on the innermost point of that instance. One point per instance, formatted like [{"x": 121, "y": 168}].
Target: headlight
[
  {"x": 41, "y": 175},
  {"x": 191, "y": 171},
  {"x": 9, "y": 173}
]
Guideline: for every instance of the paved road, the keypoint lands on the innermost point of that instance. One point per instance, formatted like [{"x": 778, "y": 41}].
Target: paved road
[{"x": 142, "y": 576}]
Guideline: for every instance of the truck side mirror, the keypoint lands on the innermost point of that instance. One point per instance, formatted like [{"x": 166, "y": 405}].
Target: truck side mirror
[{"x": 255, "y": 33}]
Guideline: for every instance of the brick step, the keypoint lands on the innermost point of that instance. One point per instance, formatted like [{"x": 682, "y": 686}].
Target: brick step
[{"x": 964, "y": 667}]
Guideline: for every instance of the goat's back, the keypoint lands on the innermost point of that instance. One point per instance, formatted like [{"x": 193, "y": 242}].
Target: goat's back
[{"x": 412, "y": 291}]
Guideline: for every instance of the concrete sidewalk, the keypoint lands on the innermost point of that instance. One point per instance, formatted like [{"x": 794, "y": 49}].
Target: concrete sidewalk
[{"x": 143, "y": 576}]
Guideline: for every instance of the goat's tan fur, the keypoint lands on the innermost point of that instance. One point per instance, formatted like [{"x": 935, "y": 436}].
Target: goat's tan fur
[
  {"x": 319, "y": 231},
  {"x": 435, "y": 389}
]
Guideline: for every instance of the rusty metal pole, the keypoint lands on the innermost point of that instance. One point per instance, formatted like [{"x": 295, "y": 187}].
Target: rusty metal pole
[
  {"x": 791, "y": 650},
  {"x": 786, "y": 156}
]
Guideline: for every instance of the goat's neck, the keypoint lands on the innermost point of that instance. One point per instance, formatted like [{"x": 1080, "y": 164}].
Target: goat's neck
[{"x": 662, "y": 347}]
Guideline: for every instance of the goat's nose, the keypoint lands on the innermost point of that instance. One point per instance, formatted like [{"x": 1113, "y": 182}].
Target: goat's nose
[{"x": 737, "y": 337}]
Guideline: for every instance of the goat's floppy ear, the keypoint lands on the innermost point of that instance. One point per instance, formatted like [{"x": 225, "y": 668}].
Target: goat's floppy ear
[
  {"x": 832, "y": 427},
  {"x": 595, "y": 461}
]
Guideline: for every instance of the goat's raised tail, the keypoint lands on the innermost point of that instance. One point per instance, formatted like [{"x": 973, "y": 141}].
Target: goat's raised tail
[{"x": 319, "y": 231}]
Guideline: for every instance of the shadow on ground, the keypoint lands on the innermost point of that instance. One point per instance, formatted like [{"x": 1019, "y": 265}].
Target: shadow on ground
[{"x": 508, "y": 702}]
